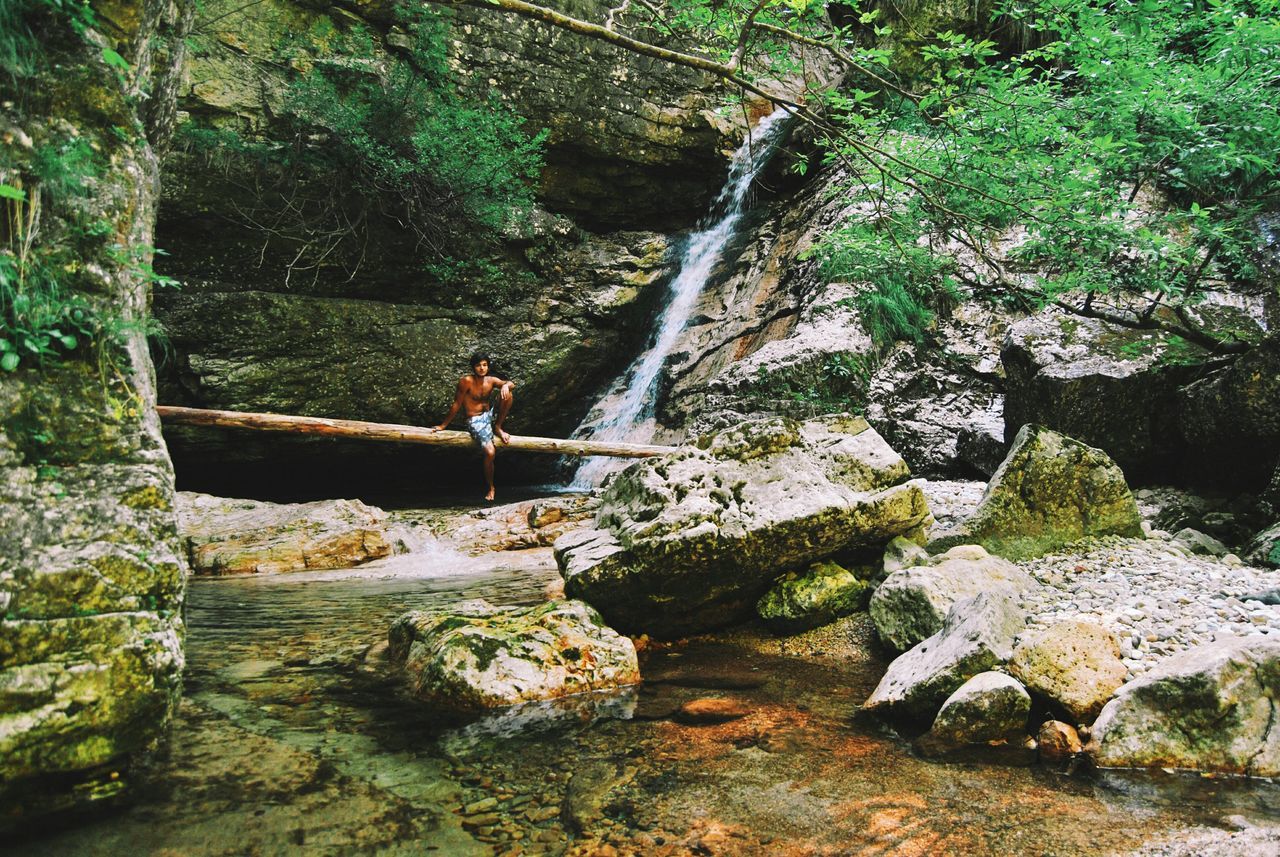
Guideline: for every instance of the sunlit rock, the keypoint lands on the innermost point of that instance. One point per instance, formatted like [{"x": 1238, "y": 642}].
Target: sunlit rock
[
  {"x": 912, "y": 603},
  {"x": 977, "y": 636},
  {"x": 691, "y": 540},
  {"x": 225, "y": 536},
  {"x": 990, "y": 707},
  {"x": 1211, "y": 708},
  {"x": 477, "y": 656},
  {"x": 1076, "y": 664},
  {"x": 1050, "y": 490}
]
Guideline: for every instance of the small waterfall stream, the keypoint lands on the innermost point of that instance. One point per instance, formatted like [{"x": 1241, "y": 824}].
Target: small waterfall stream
[{"x": 626, "y": 412}]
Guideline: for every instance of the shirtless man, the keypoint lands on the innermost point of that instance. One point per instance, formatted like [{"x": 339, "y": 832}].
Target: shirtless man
[{"x": 473, "y": 395}]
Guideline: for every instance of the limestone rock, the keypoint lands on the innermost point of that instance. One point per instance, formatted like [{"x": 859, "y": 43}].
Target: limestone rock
[
  {"x": 1143, "y": 396},
  {"x": 1200, "y": 543},
  {"x": 477, "y": 656},
  {"x": 1265, "y": 547},
  {"x": 822, "y": 594},
  {"x": 1076, "y": 664},
  {"x": 691, "y": 540},
  {"x": 92, "y": 581},
  {"x": 991, "y": 706},
  {"x": 1211, "y": 708},
  {"x": 1049, "y": 491},
  {"x": 1110, "y": 388},
  {"x": 1058, "y": 741},
  {"x": 252, "y": 537},
  {"x": 976, "y": 636},
  {"x": 903, "y": 553},
  {"x": 911, "y": 604}
]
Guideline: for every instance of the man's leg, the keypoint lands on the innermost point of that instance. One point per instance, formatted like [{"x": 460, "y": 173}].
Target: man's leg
[
  {"x": 489, "y": 452},
  {"x": 504, "y": 408}
]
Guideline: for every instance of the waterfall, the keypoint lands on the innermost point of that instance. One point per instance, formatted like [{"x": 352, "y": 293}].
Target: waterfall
[{"x": 626, "y": 412}]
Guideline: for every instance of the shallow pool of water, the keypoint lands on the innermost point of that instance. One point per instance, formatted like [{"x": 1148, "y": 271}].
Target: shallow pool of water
[{"x": 290, "y": 739}]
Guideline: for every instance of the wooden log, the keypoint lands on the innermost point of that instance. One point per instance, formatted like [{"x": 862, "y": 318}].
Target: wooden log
[{"x": 396, "y": 433}]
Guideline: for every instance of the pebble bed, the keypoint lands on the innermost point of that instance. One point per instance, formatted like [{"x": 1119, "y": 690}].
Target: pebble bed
[{"x": 1156, "y": 595}]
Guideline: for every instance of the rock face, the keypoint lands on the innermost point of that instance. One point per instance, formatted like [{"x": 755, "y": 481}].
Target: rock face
[
  {"x": 1210, "y": 708},
  {"x": 251, "y": 537},
  {"x": 989, "y": 707},
  {"x": 478, "y": 656},
  {"x": 1076, "y": 664},
  {"x": 911, "y": 604},
  {"x": 634, "y": 144},
  {"x": 977, "y": 635},
  {"x": 691, "y": 540},
  {"x": 91, "y": 577},
  {"x": 1151, "y": 400},
  {"x": 824, "y": 593},
  {"x": 1049, "y": 491}
]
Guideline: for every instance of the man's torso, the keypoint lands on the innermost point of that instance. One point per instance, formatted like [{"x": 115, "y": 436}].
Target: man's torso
[{"x": 475, "y": 394}]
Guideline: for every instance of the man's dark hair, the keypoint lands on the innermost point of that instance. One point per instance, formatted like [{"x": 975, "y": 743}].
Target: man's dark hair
[{"x": 478, "y": 357}]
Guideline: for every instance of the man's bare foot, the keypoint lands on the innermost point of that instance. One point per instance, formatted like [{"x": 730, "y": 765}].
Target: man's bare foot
[
  {"x": 488, "y": 498},
  {"x": 503, "y": 436}
]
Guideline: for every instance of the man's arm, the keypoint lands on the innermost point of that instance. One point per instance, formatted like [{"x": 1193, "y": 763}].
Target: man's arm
[
  {"x": 453, "y": 409},
  {"x": 504, "y": 388}
]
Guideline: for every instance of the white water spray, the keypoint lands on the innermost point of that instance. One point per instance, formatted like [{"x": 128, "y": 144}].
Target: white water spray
[{"x": 626, "y": 412}]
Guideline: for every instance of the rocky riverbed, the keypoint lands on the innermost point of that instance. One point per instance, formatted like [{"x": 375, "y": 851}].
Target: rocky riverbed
[{"x": 287, "y": 739}]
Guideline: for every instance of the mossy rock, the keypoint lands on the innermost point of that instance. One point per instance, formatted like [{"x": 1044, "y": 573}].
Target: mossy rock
[{"x": 818, "y": 596}]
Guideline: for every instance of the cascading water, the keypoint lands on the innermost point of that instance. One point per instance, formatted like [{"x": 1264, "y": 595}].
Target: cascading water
[{"x": 626, "y": 412}]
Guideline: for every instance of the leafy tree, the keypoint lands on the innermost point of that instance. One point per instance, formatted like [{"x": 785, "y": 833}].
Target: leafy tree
[{"x": 1107, "y": 157}]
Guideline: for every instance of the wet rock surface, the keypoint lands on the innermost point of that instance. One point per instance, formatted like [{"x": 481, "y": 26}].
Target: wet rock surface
[
  {"x": 478, "y": 656},
  {"x": 315, "y": 750},
  {"x": 691, "y": 540},
  {"x": 225, "y": 536}
]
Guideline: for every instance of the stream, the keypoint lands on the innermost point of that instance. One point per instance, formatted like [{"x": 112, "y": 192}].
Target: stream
[{"x": 291, "y": 739}]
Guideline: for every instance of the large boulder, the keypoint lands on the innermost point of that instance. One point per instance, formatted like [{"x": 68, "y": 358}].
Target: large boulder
[
  {"x": 990, "y": 707},
  {"x": 477, "y": 656},
  {"x": 977, "y": 636},
  {"x": 1049, "y": 491},
  {"x": 1231, "y": 417},
  {"x": 819, "y": 596},
  {"x": 253, "y": 537},
  {"x": 1157, "y": 403},
  {"x": 691, "y": 540},
  {"x": 912, "y": 603},
  {"x": 1111, "y": 388},
  {"x": 1211, "y": 708},
  {"x": 1076, "y": 664}
]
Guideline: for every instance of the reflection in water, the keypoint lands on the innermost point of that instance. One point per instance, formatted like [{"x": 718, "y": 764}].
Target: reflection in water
[{"x": 292, "y": 736}]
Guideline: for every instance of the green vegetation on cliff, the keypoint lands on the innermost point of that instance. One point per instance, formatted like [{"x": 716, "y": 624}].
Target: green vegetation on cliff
[
  {"x": 371, "y": 136},
  {"x": 1108, "y": 157}
]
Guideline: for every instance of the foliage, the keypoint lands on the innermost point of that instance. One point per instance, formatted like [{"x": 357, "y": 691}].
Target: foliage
[
  {"x": 366, "y": 138},
  {"x": 1110, "y": 156},
  {"x": 902, "y": 282},
  {"x": 837, "y": 385},
  {"x": 25, "y": 23}
]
